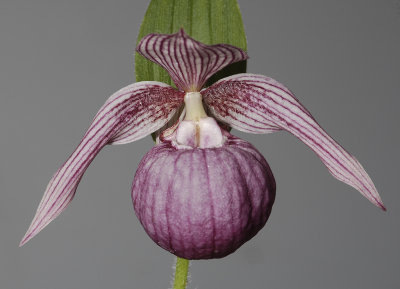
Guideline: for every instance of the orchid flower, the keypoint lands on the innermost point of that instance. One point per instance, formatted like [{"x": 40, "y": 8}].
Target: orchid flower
[{"x": 200, "y": 192}]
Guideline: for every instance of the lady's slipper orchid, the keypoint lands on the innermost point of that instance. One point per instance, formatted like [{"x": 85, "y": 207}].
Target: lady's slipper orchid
[{"x": 200, "y": 192}]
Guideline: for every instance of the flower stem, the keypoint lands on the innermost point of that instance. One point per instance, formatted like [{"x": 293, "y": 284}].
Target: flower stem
[{"x": 181, "y": 273}]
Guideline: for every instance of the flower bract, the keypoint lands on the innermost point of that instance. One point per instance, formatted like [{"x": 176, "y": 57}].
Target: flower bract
[{"x": 200, "y": 192}]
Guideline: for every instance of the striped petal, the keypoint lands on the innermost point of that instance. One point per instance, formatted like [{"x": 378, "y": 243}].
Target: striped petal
[
  {"x": 128, "y": 115},
  {"x": 259, "y": 104},
  {"x": 189, "y": 62}
]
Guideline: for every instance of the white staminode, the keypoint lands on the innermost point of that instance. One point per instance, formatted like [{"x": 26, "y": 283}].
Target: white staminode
[{"x": 197, "y": 129}]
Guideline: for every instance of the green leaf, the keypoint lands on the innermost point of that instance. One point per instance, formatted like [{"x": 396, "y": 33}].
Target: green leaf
[{"x": 208, "y": 21}]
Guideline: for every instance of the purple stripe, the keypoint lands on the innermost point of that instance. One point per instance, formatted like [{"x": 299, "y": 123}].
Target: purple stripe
[
  {"x": 132, "y": 131},
  {"x": 77, "y": 153},
  {"x": 262, "y": 79},
  {"x": 71, "y": 181},
  {"x": 311, "y": 135},
  {"x": 75, "y": 177},
  {"x": 210, "y": 99},
  {"x": 156, "y": 48},
  {"x": 111, "y": 118},
  {"x": 172, "y": 70},
  {"x": 317, "y": 129},
  {"x": 245, "y": 112},
  {"x": 153, "y": 116},
  {"x": 206, "y": 66},
  {"x": 173, "y": 55},
  {"x": 92, "y": 151},
  {"x": 177, "y": 53},
  {"x": 183, "y": 61},
  {"x": 328, "y": 156},
  {"x": 339, "y": 153},
  {"x": 189, "y": 59},
  {"x": 178, "y": 77},
  {"x": 62, "y": 171},
  {"x": 265, "y": 108},
  {"x": 134, "y": 92},
  {"x": 290, "y": 99},
  {"x": 248, "y": 81}
]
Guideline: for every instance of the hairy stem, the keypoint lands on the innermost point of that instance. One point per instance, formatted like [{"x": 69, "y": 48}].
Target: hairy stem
[{"x": 181, "y": 273}]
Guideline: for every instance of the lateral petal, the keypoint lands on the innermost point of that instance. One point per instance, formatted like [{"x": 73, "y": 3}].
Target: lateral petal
[
  {"x": 189, "y": 62},
  {"x": 128, "y": 115},
  {"x": 259, "y": 104}
]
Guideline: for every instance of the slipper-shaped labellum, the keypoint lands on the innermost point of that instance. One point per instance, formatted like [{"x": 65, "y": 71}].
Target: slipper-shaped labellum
[{"x": 199, "y": 192}]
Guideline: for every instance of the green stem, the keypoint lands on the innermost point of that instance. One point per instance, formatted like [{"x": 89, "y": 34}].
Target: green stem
[{"x": 181, "y": 273}]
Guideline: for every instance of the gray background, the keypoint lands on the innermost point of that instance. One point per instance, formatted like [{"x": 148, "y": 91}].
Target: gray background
[{"x": 60, "y": 60}]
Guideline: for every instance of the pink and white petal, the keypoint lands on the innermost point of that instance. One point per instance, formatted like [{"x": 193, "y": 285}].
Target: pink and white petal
[
  {"x": 128, "y": 115},
  {"x": 259, "y": 104},
  {"x": 189, "y": 62}
]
